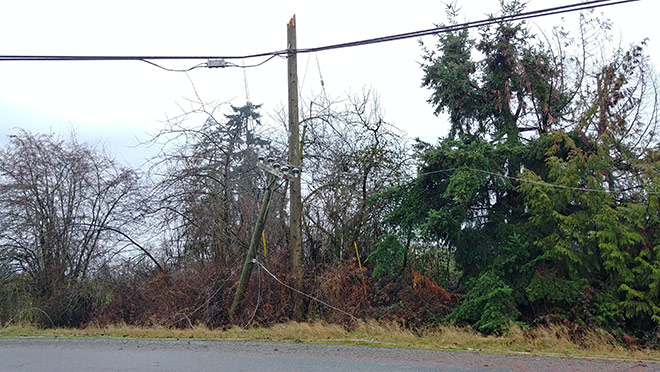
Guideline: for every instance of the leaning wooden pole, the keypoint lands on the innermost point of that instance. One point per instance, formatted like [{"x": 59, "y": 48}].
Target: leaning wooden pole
[{"x": 252, "y": 249}]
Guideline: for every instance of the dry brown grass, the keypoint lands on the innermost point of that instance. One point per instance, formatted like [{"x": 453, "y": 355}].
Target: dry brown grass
[{"x": 549, "y": 340}]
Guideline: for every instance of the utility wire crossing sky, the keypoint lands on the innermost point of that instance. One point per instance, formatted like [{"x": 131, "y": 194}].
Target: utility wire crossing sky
[
  {"x": 219, "y": 61},
  {"x": 123, "y": 104}
]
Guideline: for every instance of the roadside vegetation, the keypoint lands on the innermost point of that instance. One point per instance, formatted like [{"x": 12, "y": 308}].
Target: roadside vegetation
[
  {"x": 551, "y": 341},
  {"x": 533, "y": 226}
]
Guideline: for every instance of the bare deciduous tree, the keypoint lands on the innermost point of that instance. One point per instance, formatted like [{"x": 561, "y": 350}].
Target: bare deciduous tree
[
  {"x": 350, "y": 154},
  {"x": 208, "y": 187},
  {"x": 60, "y": 201}
]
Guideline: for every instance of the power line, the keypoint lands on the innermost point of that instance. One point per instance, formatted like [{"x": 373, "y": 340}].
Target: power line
[
  {"x": 229, "y": 64},
  {"x": 219, "y": 61},
  {"x": 255, "y": 261},
  {"x": 212, "y": 61},
  {"x": 534, "y": 182},
  {"x": 174, "y": 70},
  {"x": 130, "y": 58},
  {"x": 474, "y": 24}
]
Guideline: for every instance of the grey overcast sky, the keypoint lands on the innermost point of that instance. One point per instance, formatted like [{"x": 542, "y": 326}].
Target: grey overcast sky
[{"x": 115, "y": 102}]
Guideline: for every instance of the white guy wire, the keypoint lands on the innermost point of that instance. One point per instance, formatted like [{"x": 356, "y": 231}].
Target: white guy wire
[{"x": 303, "y": 293}]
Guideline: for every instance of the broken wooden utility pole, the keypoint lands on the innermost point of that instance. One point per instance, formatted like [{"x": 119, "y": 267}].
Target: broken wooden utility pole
[
  {"x": 252, "y": 249},
  {"x": 295, "y": 225}
]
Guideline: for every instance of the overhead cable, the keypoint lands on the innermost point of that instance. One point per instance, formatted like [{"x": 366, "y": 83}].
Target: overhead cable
[
  {"x": 534, "y": 182},
  {"x": 473, "y": 24},
  {"x": 219, "y": 61},
  {"x": 255, "y": 261}
]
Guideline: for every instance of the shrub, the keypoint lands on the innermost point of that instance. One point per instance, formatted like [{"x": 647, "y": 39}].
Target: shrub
[
  {"x": 415, "y": 300},
  {"x": 488, "y": 306}
]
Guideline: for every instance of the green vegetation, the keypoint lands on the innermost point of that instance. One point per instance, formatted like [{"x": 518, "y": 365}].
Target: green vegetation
[{"x": 545, "y": 190}]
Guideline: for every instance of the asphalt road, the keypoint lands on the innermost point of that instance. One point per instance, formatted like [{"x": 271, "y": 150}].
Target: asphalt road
[{"x": 37, "y": 355}]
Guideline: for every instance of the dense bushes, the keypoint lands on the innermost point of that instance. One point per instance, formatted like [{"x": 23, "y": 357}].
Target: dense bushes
[{"x": 201, "y": 294}]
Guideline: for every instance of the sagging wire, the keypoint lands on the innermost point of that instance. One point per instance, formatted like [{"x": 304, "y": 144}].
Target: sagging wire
[
  {"x": 221, "y": 286},
  {"x": 26, "y": 310},
  {"x": 256, "y": 307},
  {"x": 255, "y": 261},
  {"x": 204, "y": 64},
  {"x": 211, "y": 63},
  {"x": 540, "y": 183},
  {"x": 230, "y": 64}
]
